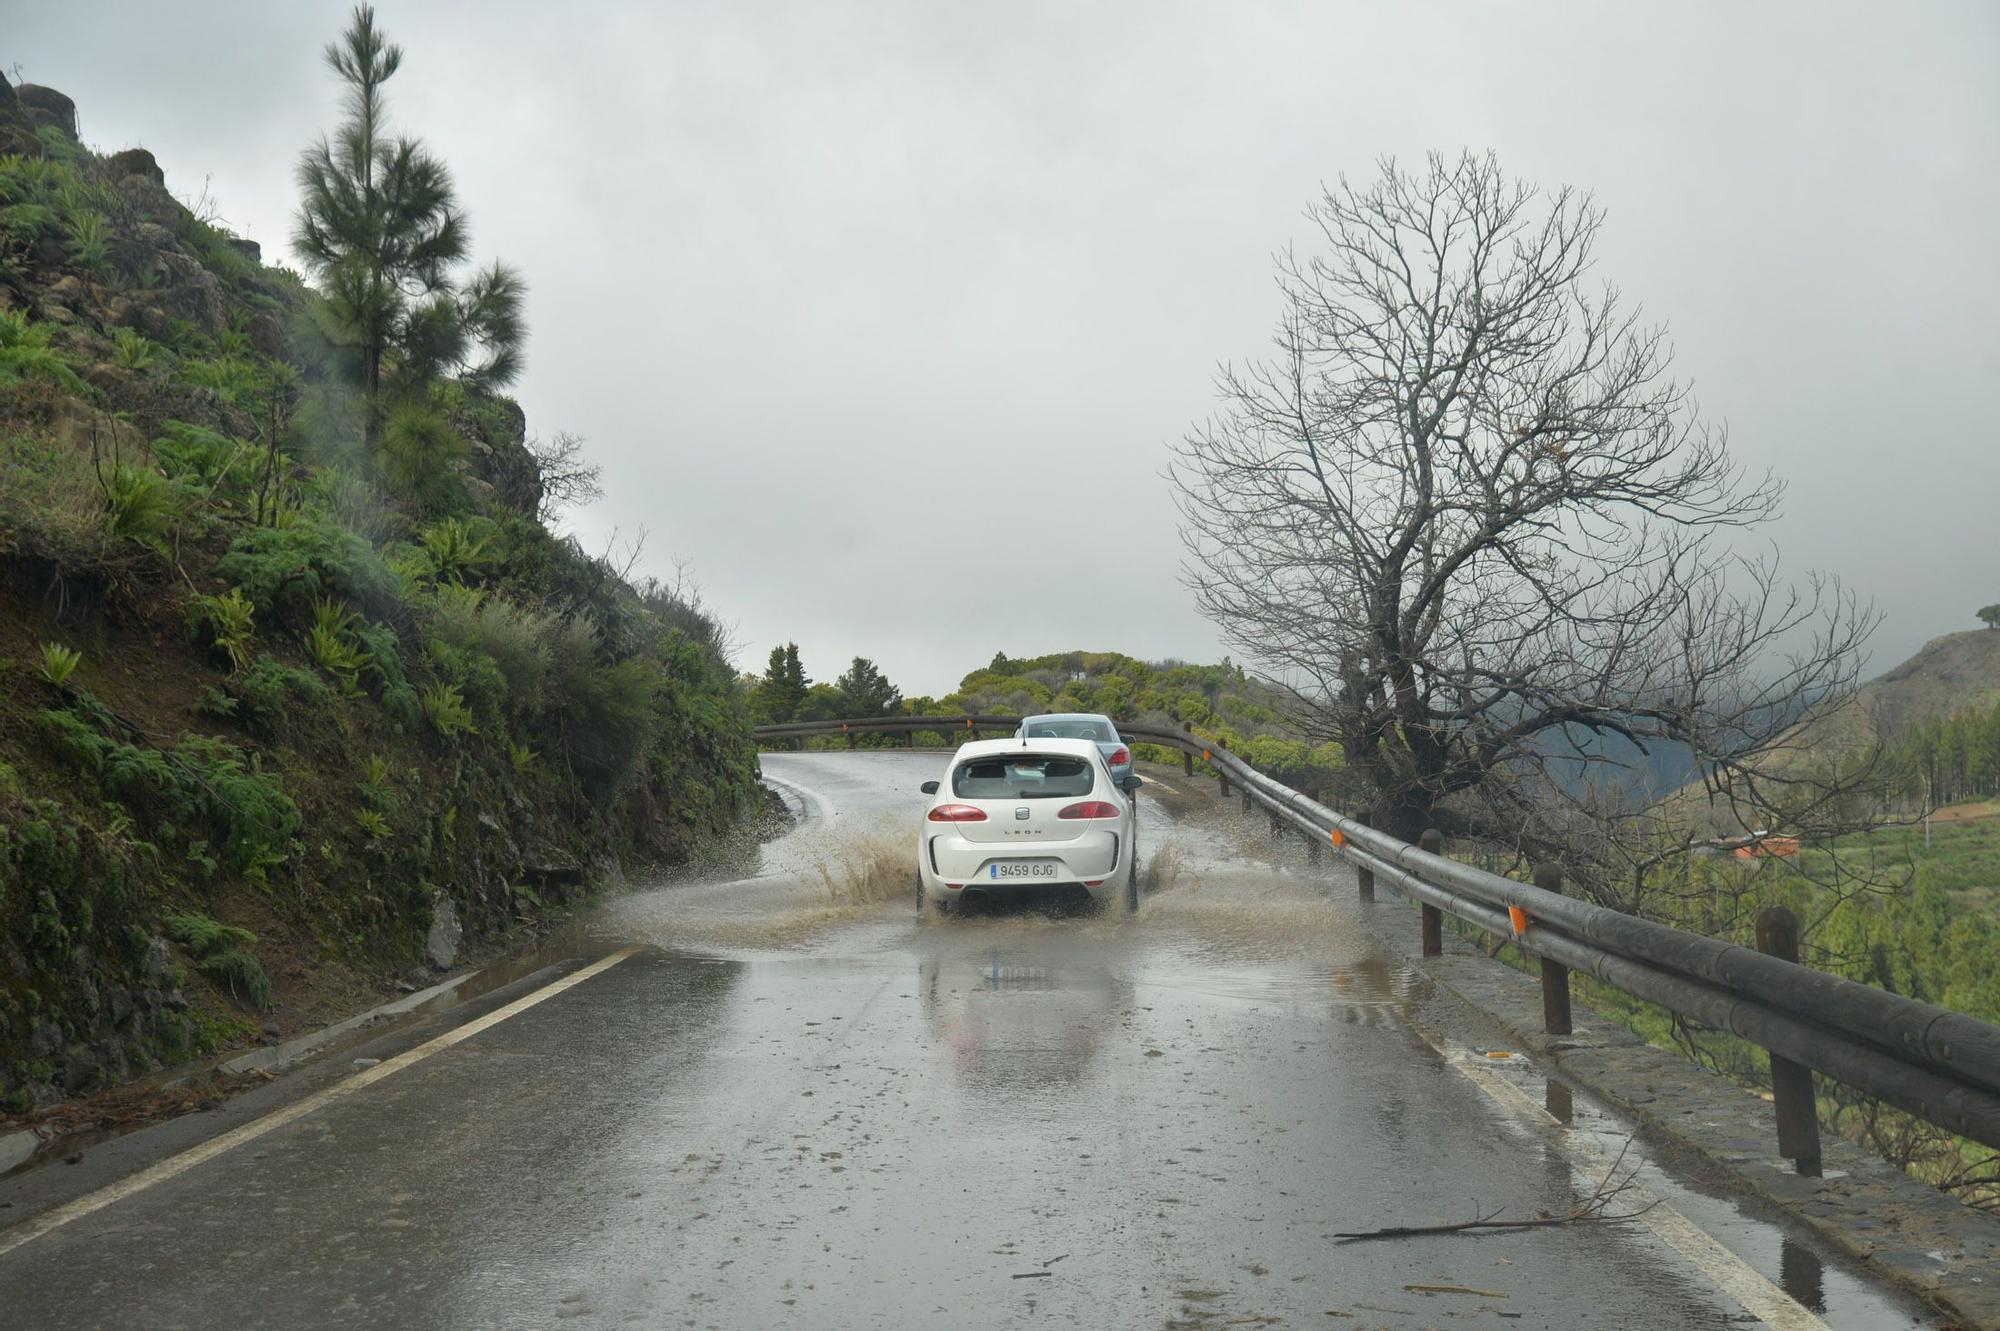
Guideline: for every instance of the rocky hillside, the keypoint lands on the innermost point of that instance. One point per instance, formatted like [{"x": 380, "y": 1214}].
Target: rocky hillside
[{"x": 286, "y": 710}]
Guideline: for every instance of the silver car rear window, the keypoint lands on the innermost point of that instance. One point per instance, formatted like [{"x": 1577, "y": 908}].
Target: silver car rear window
[
  {"x": 1021, "y": 776},
  {"x": 1068, "y": 730}
]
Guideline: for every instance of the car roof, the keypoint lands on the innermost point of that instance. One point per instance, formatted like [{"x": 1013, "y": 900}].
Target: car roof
[
  {"x": 1069, "y": 716},
  {"x": 988, "y": 748}
]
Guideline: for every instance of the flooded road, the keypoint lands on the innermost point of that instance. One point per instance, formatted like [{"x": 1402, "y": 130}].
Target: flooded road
[{"x": 785, "y": 1101}]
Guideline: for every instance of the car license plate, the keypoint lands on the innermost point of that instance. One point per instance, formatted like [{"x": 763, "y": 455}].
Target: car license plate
[{"x": 1021, "y": 869}]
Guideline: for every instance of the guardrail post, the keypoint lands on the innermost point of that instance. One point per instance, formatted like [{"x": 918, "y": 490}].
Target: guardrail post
[
  {"x": 1364, "y": 877},
  {"x": 849, "y": 733},
  {"x": 1432, "y": 840},
  {"x": 909, "y": 739},
  {"x": 1221, "y": 777},
  {"x": 1791, "y": 1083},
  {"x": 1187, "y": 756},
  {"x": 1555, "y": 975}
]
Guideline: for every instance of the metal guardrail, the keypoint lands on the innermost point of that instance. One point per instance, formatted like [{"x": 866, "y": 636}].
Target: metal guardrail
[{"x": 1940, "y": 1065}]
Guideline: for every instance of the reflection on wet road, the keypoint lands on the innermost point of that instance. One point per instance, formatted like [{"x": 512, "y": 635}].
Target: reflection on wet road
[{"x": 800, "y": 1106}]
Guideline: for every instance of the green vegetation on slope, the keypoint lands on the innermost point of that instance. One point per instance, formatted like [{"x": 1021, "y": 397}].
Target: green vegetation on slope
[{"x": 290, "y": 664}]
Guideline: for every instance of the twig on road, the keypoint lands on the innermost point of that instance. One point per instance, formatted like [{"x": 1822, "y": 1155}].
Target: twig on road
[{"x": 1594, "y": 1209}]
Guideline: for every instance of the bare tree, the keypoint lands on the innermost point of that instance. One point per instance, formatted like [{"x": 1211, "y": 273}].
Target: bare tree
[
  {"x": 564, "y": 479},
  {"x": 1468, "y": 515}
]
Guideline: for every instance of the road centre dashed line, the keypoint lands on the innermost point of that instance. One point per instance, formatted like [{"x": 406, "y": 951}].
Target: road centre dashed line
[
  {"x": 1751, "y": 1290},
  {"x": 56, "y": 1217}
]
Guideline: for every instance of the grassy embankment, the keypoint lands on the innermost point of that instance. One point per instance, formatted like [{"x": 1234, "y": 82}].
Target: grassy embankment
[{"x": 276, "y": 699}]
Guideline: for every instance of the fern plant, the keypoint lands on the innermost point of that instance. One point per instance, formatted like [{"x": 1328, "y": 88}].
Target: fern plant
[
  {"x": 89, "y": 239},
  {"x": 141, "y": 506},
  {"x": 231, "y": 379},
  {"x": 330, "y": 643},
  {"x": 25, "y": 352},
  {"x": 457, "y": 550},
  {"x": 59, "y": 663},
  {"x": 134, "y": 350},
  {"x": 444, "y": 707},
  {"x": 521, "y": 756},
  {"x": 372, "y": 824},
  {"x": 229, "y": 621}
]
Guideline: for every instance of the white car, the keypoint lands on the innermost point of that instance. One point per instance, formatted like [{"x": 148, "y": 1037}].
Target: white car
[{"x": 1014, "y": 815}]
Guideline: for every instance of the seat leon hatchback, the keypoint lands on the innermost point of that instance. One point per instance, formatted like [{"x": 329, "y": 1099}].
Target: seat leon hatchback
[{"x": 1015, "y": 815}]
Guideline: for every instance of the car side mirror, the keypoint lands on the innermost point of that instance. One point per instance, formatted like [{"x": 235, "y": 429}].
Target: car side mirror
[
  {"x": 1132, "y": 783},
  {"x": 929, "y": 787}
]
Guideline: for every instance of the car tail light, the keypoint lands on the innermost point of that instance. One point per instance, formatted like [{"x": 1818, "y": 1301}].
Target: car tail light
[
  {"x": 1120, "y": 756},
  {"x": 956, "y": 813},
  {"x": 1091, "y": 809}
]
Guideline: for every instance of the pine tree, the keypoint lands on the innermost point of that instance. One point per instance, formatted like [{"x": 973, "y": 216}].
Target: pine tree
[
  {"x": 864, "y": 692},
  {"x": 782, "y": 690},
  {"x": 380, "y": 229}
]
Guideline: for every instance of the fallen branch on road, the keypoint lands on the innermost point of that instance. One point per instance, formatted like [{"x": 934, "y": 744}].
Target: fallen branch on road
[{"x": 1592, "y": 1210}]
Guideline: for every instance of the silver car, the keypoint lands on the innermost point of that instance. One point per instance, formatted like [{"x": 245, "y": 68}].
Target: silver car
[{"x": 1085, "y": 725}]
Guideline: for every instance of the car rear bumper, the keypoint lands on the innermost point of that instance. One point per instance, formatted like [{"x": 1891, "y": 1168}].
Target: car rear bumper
[{"x": 950, "y": 864}]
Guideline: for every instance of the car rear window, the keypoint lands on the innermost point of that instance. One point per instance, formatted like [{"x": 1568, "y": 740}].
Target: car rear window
[
  {"x": 1021, "y": 776},
  {"x": 1067, "y": 730}
]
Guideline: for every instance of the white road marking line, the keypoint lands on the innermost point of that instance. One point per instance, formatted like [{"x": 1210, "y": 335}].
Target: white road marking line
[
  {"x": 57, "y": 1217},
  {"x": 820, "y": 803},
  {"x": 1730, "y": 1273}
]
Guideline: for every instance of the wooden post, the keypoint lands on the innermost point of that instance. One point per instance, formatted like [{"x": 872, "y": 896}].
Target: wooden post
[
  {"x": 849, "y": 733},
  {"x": 1555, "y": 975},
  {"x": 1364, "y": 877},
  {"x": 1433, "y": 841},
  {"x": 909, "y": 739},
  {"x": 1791, "y": 1083},
  {"x": 1187, "y": 758},
  {"x": 1222, "y": 777}
]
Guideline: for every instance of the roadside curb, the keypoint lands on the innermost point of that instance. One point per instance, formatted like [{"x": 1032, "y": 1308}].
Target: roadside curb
[
  {"x": 273, "y": 1057},
  {"x": 1912, "y": 1235}
]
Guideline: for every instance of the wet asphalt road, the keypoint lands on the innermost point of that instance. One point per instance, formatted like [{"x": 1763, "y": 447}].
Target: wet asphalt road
[{"x": 797, "y": 1106}]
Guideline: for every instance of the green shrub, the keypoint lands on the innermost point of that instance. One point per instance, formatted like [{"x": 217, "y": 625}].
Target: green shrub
[
  {"x": 228, "y": 622},
  {"x": 351, "y": 502},
  {"x": 382, "y": 668},
  {"x": 134, "y": 350},
  {"x": 89, "y": 234},
  {"x": 278, "y": 566},
  {"x": 142, "y": 506},
  {"x": 444, "y": 707},
  {"x": 521, "y": 757},
  {"x": 330, "y": 643},
  {"x": 457, "y": 549},
  {"x": 231, "y": 379},
  {"x": 372, "y": 824},
  {"x": 201, "y": 455},
  {"x": 59, "y": 663},
  {"x": 513, "y": 638},
  {"x": 418, "y": 458},
  {"x": 222, "y": 953},
  {"x": 200, "y": 779},
  {"x": 270, "y": 690},
  {"x": 25, "y": 352},
  {"x": 601, "y": 716}
]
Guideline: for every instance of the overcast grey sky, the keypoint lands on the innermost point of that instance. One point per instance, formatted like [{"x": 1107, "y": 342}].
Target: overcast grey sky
[{"x": 830, "y": 286}]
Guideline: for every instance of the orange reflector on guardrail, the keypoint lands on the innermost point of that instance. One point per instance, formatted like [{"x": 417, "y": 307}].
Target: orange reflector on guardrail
[
  {"x": 1206, "y": 755},
  {"x": 1520, "y": 919},
  {"x": 1338, "y": 839}
]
